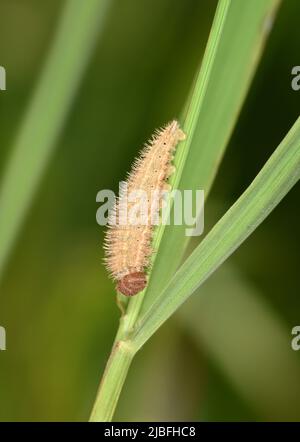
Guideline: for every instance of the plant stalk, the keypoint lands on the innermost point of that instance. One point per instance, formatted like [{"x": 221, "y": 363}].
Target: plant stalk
[{"x": 112, "y": 381}]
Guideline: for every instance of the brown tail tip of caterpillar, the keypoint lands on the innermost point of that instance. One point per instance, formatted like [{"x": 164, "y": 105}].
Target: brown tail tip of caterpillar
[{"x": 132, "y": 284}]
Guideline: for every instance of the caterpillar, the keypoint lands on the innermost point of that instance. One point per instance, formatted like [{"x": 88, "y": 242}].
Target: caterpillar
[{"x": 128, "y": 245}]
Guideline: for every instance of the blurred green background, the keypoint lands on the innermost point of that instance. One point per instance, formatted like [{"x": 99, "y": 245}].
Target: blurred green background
[{"x": 226, "y": 357}]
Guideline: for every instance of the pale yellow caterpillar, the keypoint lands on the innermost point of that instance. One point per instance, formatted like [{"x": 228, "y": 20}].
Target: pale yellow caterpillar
[{"x": 128, "y": 245}]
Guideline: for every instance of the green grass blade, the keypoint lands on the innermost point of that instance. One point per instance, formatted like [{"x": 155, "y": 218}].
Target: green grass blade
[
  {"x": 77, "y": 33},
  {"x": 273, "y": 182},
  {"x": 232, "y": 54}
]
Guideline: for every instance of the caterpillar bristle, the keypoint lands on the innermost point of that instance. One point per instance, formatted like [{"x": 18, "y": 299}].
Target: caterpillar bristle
[{"x": 128, "y": 247}]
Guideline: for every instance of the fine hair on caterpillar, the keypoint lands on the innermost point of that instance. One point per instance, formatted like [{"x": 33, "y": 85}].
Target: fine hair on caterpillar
[
  {"x": 129, "y": 236},
  {"x": 138, "y": 207}
]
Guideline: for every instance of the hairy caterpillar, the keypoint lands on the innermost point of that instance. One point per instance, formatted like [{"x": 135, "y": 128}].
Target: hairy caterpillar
[{"x": 128, "y": 245}]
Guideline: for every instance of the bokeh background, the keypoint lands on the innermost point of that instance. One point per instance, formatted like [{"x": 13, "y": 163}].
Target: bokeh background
[{"x": 227, "y": 355}]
